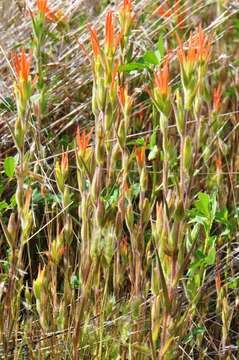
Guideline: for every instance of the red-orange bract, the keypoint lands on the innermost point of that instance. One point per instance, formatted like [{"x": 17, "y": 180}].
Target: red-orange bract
[
  {"x": 140, "y": 155},
  {"x": 22, "y": 65},
  {"x": 199, "y": 48},
  {"x": 109, "y": 30},
  {"x": 126, "y": 6},
  {"x": 217, "y": 101},
  {"x": 83, "y": 139},
  {"x": 161, "y": 79},
  {"x": 94, "y": 40},
  {"x": 42, "y": 6},
  {"x": 121, "y": 95},
  {"x": 64, "y": 162}
]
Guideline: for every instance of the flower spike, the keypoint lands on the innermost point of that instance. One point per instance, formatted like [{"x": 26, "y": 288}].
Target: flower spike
[
  {"x": 43, "y": 8},
  {"x": 161, "y": 90},
  {"x": 217, "y": 101},
  {"x": 83, "y": 140},
  {"x": 109, "y": 31},
  {"x": 94, "y": 40},
  {"x": 140, "y": 155},
  {"x": 126, "y": 17},
  {"x": 22, "y": 65},
  {"x": 161, "y": 79}
]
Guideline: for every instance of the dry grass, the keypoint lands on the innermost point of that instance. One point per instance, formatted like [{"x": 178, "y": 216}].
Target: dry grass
[{"x": 134, "y": 266}]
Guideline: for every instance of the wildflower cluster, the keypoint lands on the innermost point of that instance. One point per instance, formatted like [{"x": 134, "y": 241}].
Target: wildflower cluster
[
  {"x": 193, "y": 63},
  {"x": 105, "y": 234}
]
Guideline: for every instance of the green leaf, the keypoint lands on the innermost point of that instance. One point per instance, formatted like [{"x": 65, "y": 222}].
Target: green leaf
[
  {"x": 9, "y": 166},
  {"x": 161, "y": 47},
  {"x": 199, "y": 220},
  {"x": 199, "y": 254},
  {"x": 233, "y": 284},
  {"x": 3, "y": 206},
  {"x": 151, "y": 58},
  {"x": 202, "y": 204},
  {"x": 222, "y": 216},
  {"x": 198, "y": 330},
  {"x": 132, "y": 67},
  {"x": 211, "y": 257},
  {"x": 13, "y": 202},
  {"x": 75, "y": 282},
  {"x": 140, "y": 142}
]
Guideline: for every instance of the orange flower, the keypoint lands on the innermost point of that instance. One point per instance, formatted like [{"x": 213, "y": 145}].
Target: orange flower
[
  {"x": 161, "y": 79},
  {"x": 126, "y": 6},
  {"x": 83, "y": 140},
  {"x": 28, "y": 199},
  {"x": 22, "y": 65},
  {"x": 125, "y": 16},
  {"x": 59, "y": 16},
  {"x": 111, "y": 44},
  {"x": 161, "y": 89},
  {"x": 199, "y": 48},
  {"x": 121, "y": 95},
  {"x": 217, "y": 101},
  {"x": 42, "y": 5},
  {"x": 125, "y": 100},
  {"x": 118, "y": 40},
  {"x": 140, "y": 155},
  {"x": 189, "y": 57},
  {"x": 109, "y": 30},
  {"x": 43, "y": 8},
  {"x": 64, "y": 162},
  {"x": 203, "y": 45},
  {"x": 218, "y": 163},
  {"x": 94, "y": 40},
  {"x": 61, "y": 250}
]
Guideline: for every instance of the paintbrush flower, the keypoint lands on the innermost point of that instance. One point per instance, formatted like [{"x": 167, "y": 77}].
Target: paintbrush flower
[
  {"x": 198, "y": 50},
  {"x": 161, "y": 79},
  {"x": 161, "y": 90},
  {"x": 109, "y": 32},
  {"x": 82, "y": 140},
  {"x": 22, "y": 65},
  {"x": 94, "y": 41},
  {"x": 42, "y": 7},
  {"x": 217, "y": 98},
  {"x": 23, "y": 85},
  {"x": 140, "y": 155},
  {"x": 126, "y": 16}
]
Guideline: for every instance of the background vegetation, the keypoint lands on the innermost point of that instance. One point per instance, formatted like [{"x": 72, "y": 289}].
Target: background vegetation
[{"x": 119, "y": 179}]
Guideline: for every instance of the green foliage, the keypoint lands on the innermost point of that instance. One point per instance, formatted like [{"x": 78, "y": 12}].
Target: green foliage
[
  {"x": 121, "y": 242},
  {"x": 10, "y": 166}
]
